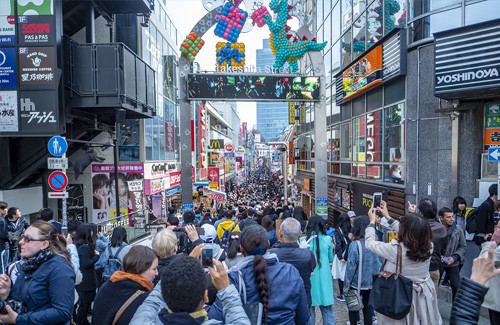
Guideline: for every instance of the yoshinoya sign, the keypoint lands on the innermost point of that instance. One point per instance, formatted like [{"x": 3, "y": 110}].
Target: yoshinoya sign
[
  {"x": 467, "y": 64},
  {"x": 383, "y": 62}
]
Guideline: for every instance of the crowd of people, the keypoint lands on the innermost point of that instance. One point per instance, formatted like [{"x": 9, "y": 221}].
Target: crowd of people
[{"x": 253, "y": 259}]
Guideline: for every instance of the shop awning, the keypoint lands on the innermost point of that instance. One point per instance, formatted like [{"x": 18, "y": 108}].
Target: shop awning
[
  {"x": 174, "y": 190},
  {"x": 219, "y": 192},
  {"x": 201, "y": 183}
]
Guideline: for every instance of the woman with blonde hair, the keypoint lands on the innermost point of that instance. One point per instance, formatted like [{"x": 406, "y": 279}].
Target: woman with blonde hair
[{"x": 165, "y": 245}]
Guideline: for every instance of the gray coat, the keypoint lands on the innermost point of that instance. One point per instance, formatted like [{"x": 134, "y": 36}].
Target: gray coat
[
  {"x": 456, "y": 245},
  {"x": 234, "y": 314}
]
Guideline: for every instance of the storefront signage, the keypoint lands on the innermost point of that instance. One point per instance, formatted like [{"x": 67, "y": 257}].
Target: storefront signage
[
  {"x": 154, "y": 186},
  {"x": 216, "y": 144},
  {"x": 36, "y": 30},
  {"x": 394, "y": 56},
  {"x": 214, "y": 177},
  {"x": 8, "y": 111},
  {"x": 291, "y": 113},
  {"x": 37, "y": 66},
  {"x": 7, "y": 28},
  {"x": 362, "y": 196},
  {"x": 466, "y": 63},
  {"x": 175, "y": 179},
  {"x": 491, "y": 125},
  {"x": 156, "y": 170},
  {"x": 307, "y": 186},
  {"x": 8, "y": 68},
  {"x": 38, "y": 112}
]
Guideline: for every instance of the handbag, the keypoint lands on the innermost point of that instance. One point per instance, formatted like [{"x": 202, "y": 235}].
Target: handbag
[
  {"x": 353, "y": 296},
  {"x": 253, "y": 311},
  {"x": 392, "y": 293}
]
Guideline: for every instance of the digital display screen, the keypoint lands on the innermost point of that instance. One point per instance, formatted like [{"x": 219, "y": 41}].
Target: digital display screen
[{"x": 252, "y": 88}]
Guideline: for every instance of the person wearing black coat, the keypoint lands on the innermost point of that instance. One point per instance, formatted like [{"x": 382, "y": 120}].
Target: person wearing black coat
[
  {"x": 164, "y": 243},
  {"x": 470, "y": 295},
  {"x": 88, "y": 256}
]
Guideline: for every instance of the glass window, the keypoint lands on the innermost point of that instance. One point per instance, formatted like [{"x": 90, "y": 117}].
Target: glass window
[
  {"x": 346, "y": 111},
  {"x": 373, "y": 23},
  {"x": 358, "y": 106},
  {"x": 395, "y": 14},
  {"x": 345, "y": 169},
  {"x": 358, "y": 7},
  {"x": 374, "y": 100},
  {"x": 335, "y": 59},
  {"x": 443, "y": 4},
  {"x": 335, "y": 143},
  {"x": 374, "y": 136},
  {"x": 319, "y": 13},
  {"x": 328, "y": 30},
  {"x": 374, "y": 172},
  {"x": 358, "y": 36},
  {"x": 419, "y": 7},
  {"x": 394, "y": 173},
  {"x": 319, "y": 34},
  {"x": 327, "y": 6},
  {"x": 358, "y": 170},
  {"x": 336, "y": 22},
  {"x": 359, "y": 139},
  {"x": 335, "y": 111},
  {"x": 345, "y": 141},
  {"x": 328, "y": 66},
  {"x": 446, "y": 20},
  {"x": 394, "y": 141},
  {"x": 481, "y": 11},
  {"x": 420, "y": 29},
  {"x": 346, "y": 48},
  {"x": 394, "y": 92},
  {"x": 346, "y": 14},
  {"x": 129, "y": 141}
]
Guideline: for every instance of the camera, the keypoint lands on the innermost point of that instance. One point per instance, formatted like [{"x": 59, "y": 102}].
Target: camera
[{"x": 16, "y": 306}]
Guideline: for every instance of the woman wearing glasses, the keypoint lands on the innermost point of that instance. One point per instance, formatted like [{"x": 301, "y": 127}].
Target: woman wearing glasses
[{"x": 43, "y": 293}]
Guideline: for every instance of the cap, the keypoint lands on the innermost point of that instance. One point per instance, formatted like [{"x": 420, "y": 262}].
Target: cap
[{"x": 351, "y": 214}]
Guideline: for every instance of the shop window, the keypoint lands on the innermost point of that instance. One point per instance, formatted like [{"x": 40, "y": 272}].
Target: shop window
[
  {"x": 336, "y": 22},
  {"x": 346, "y": 111},
  {"x": 334, "y": 142},
  {"x": 345, "y": 169},
  {"x": 129, "y": 141},
  {"x": 394, "y": 141},
  {"x": 358, "y": 7},
  {"x": 346, "y": 14},
  {"x": 446, "y": 20},
  {"x": 358, "y": 106},
  {"x": 359, "y": 139},
  {"x": 374, "y": 28},
  {"x": 394, "y": 173},
  {"x": 395, "y": 14},
  {"x": 374, "y": 172},
  {"x": 359, "y": 170},
  {"x": 481, "y": 11},
  {"x": 346, "y": 48},
  {"x": 374, "y": 136},
  {"x": 374, "y": 100},
  {"x": 394, "y": 92},
  {"x": 358, "y": 36},
  {"x": 345, "y": 141}
]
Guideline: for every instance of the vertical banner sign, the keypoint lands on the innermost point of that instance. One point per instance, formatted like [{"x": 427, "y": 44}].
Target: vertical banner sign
[
  {"x": 291, "y": 113},
  {"x": 302, "y": 113},
  {"x": 214, "y": 177},
  {"x": 8, "y": 111},
  {"x": 8, "y": 68},
  {"x": 373, "y": 143},
  {"x": 491, "y": 125}
]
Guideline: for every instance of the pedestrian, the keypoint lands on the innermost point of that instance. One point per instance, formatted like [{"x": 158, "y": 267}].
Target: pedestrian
[
  {"x": 342, "y": 241},
  {"x": 485, "y": 220},
  {"x": 233, "y": 255},
  {"x": 101, "y": 244},
  {"x": 268, "y": 224},
  {"x": 164, "y": 243},
  {"x": 371, "y": 264},
  {"x": 415, "y": 239},
  {"x": 4, "y": 239},
  {"x": 16, "y": 225},
  {"x": 114, "y": 252},
  {"x": 321, "y": 281},
  {"x": 492, "y": 298},
  {"x": 460, "y": 212}
]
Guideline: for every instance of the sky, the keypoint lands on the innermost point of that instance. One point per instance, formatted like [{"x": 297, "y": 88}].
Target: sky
[{"x": 185, "y": 14}]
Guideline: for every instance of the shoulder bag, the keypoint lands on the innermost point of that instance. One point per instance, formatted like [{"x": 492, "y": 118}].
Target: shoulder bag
[
  {"x": 353, "y": 296},
  {"x": 253, "y": 311},
  {"x": 392, "y": 293}
]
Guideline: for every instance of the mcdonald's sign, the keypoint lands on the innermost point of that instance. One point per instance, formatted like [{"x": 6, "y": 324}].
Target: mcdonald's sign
[{"x": 216, "y": 143}]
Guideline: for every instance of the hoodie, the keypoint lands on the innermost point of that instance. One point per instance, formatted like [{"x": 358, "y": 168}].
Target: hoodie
[{"x": 223, "y": 226}]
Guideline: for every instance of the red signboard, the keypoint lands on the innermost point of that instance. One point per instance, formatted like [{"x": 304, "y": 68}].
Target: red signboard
[
  {"x": 175, "y": 179},
  {"x": 57, "y": 180}
]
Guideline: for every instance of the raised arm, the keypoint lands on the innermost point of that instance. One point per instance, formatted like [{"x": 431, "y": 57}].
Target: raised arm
[{"x": 385, "y": 250}]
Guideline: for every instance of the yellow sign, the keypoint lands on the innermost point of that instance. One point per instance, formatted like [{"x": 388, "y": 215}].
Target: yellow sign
[
  {"x": 214, "y": 186},
  {"x": 291, "y": 113},
  {"x": 216, "y": 143}
]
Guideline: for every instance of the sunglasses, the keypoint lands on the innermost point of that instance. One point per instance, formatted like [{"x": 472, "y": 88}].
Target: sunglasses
[{"x": 27, "y": 239}]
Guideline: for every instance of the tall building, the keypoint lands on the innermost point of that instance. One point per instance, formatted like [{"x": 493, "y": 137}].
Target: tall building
[{"x": 272, "y": 118}]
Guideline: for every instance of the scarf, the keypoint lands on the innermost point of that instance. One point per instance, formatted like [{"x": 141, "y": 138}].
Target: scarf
[
  {"x": 120, "y": 275},
  {"x": 34, "y": 262},
  {"x": 249, "y": 259},
  {"x": 450, "y": 230},
  {"x": 174, "y": 318}
]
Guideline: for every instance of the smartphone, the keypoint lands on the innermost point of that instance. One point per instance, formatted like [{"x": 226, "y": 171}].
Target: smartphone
[
  {"x": 377, "y": 199},
  {"x": 207, "y": 253}
]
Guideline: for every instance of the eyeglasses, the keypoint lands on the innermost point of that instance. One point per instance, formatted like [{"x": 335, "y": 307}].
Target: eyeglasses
[{"x": 27, "y": 239}]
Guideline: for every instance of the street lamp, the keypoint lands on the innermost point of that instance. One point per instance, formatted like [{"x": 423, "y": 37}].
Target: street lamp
[{"x": 283, "y": 149}]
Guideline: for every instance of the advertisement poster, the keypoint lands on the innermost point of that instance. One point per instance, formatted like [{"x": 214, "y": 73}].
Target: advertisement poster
[
  {"x": 38, "y": 112},
  {"x": 75, "y": 205},
  {"x": 38, "y": 7},
  {"x": 8, "y": 111},
  {"x": 346, "y": 199},
  {"x": 37, "y": 66},
  {"x": 8, "y": 68},
  {"x": 36, "y": 30},
  {"x": 130, "y": 190}
]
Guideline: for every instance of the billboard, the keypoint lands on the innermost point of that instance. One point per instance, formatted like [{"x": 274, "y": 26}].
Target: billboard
[{"x": 252, "y": 87}]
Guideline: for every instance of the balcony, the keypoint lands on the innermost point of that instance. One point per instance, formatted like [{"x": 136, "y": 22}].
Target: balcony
[{"x": 104, "y": 77}]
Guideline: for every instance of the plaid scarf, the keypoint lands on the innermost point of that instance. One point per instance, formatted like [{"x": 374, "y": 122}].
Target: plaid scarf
[{"x": 33, "y": 263}]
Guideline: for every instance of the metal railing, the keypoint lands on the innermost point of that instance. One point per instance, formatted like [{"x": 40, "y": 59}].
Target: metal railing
[{"x": 134, "y": 222}]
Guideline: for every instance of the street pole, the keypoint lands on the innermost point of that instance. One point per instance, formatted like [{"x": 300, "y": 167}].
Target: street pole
[{"x": 285, "y": 179}]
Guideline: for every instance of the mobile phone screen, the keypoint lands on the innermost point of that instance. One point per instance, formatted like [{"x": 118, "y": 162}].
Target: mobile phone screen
[
  {"x": 377, "y": 199},
  {"x": 206, "y": 257}
]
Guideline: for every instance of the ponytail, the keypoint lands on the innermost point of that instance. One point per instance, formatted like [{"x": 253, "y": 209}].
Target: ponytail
[{"x": 262, "y": 282}]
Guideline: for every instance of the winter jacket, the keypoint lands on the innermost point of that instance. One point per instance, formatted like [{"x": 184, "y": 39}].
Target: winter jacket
[
  {"x": 101, "y": 245},
  {"x": 162, "y": 265},
  {"x": 341, "y": 244},
  {"x": 371, "y": 266},
  {"x": 111, "y": 297},
  {"x": 48, "y": 293},
  {"x": 234, "y": 314},
  {"x": 485, "y": 222},
  {"x": 88, "y": 258},
  {"x": 15, "y": 230},
  {"x": 456, "y": 246},
  {"x": 287, "y": 301},
  {"x": 439, "y": 236},
  {"x": 303, "y": 260},
  {"x": 467, "y": 304},
  {"x": 321, "y": 279},
  {"x": 223, "y": 226}
]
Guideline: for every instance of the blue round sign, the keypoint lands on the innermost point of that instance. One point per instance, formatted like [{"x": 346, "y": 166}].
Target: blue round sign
[
  {"x": 57, "y": 180},
  {"x": 57, "y": 146}
]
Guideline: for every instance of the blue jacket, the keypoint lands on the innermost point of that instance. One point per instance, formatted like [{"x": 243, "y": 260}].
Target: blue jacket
[
  {"x": 48, "y": 293},
  {"x": 287, "y": 296},
  {"x": 371, "y": 266},
  {"x": 101, "y": 245}
]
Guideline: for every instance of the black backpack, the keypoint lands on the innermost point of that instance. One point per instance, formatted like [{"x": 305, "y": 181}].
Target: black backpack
[{"x": 471, "y": 221}]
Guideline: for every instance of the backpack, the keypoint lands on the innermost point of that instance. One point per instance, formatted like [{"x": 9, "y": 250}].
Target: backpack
[
  {"x": 224, "y": 243},
  {"x": 112, "y": 264},
  {"x": 471, "y": 221}
]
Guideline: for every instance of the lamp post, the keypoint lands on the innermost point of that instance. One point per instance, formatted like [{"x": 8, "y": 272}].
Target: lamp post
[{"x": 283, "y": 150}]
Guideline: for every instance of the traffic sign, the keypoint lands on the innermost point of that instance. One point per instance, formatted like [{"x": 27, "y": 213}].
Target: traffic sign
[
  {"x": 58, "y": 195},
  {"x": 229, "y": 147},
  {"x": 57, "y": 163},
  {"x": 57, "y": 146},
  {"x": 58, "y": 180},
  {"x": 493, "y": 154}
]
